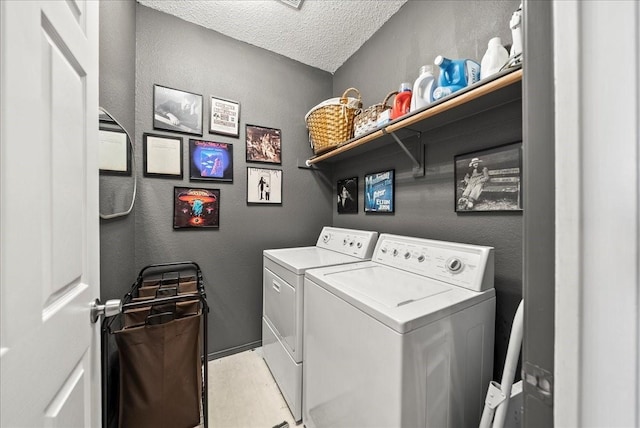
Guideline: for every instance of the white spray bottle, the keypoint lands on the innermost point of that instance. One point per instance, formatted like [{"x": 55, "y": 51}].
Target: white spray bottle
[{"x": 515, "y": 56}]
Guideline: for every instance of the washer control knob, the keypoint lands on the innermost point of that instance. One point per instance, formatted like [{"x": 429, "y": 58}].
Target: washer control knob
[
  {"x": 455, "y": 265},
  {"x": 344, "y": 241},
  {"x": 421, "y": 258},
  {"x": 383, "y": 250},
  {"x": 351, "y": 244},
  {"x": 395, "y": 252},
  {"x": 407, "y": 255},
  {"x": 359, "y": 245},
  {"x": 326, "y": 237}
]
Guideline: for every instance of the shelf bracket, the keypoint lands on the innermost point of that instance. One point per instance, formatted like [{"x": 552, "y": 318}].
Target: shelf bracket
[
  {"x": 312, "y": 167},
  {"x": 418, "y": 165}
]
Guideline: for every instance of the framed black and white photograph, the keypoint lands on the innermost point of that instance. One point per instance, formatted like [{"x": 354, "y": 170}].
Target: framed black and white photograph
[
  {"x": 225, "y": 117},
  {"x": 196, "y": 208},
  {"x": 263, "y": 144},
  {"x": 489, "y": 180},
  {"x": 347, "y": 190},
  {"x": 162, "y": 156},
  {"x": 210, "y": 161},
  {"x": 115, "y": 156},
  {"x": 176, "y": 110},
  {"x": 264, "y": 186},
  {"x": 379, "y": 190}
]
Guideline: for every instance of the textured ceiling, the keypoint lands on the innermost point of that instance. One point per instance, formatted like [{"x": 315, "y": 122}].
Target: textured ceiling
[{"x": 322, "y": 33}]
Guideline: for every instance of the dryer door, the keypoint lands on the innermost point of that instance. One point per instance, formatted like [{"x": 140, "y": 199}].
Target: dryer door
[{"x": 280, "y": 309}]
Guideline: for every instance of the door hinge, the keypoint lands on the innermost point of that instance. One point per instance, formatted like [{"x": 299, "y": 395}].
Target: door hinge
[{"x": 538, "y": 382}]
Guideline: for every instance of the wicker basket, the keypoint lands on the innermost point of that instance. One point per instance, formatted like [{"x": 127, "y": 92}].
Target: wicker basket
[
  {"x": 331, "y": 122},
  {"x": 368, "y": 119}
]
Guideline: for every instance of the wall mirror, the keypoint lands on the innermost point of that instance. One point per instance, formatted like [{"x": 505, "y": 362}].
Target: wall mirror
[{"x": 118, "y": 181}]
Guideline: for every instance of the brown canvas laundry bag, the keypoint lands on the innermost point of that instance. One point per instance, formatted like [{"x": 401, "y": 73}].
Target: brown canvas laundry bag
[{"x": 160, "y": 375}]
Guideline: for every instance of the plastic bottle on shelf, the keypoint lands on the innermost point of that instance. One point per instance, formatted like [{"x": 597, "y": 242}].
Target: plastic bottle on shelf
[
  {"x": 402, "y": 101},
  {"x": 455, "y": 75},
  {"x": 423, "y": 88},
  {"x": 493, "y": 60}
]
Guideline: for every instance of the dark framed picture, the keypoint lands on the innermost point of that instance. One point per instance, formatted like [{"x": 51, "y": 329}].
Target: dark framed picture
[
  {"x": 225, "y": 117},
  {"x": 115, "y": 156},
  {"x": 162, "y": 156},
  {"x": 347, "y": 190},
  {"x": 489, "y": 180},
  {"x": 210, "y": 160},
  {"x": 263, "y": 144},
  {"x": 176, "y": 110},
  {"x": 264, "y": 186},
  {"x": 379, "y": 190},
  {"x": 196, "y": 208}
]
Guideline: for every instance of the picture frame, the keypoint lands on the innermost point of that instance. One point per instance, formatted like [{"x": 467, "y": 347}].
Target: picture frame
[
  {"x": 162, "y": 156},
  {"x": 210, "y": 160},
  {"x": 264, "y": 186},
  {"x": 263, "y": 144},
  {"x": 379, "y": 190},
  {"x": 224, "y": 117},
  {"x": 114, "y": 153},
  {"x": 176, "y": 110},
  {"x": 489, "y": 180},
  {"x": 347, "y": 193},
  {"x": 196, "y": 208}
]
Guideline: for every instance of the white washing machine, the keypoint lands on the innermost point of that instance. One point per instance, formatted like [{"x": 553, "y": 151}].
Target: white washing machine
[
  {"x": 403, "y": 340},
  {"x": 283, "y": 291}
]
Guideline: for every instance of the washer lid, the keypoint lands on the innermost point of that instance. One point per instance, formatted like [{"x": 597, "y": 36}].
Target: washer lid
[
  {"x": 299, "y": 259},
  {"x": 401, "y": 300}
]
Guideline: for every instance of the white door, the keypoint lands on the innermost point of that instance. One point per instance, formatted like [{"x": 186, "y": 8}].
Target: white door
[
  {"x": 597, "y": 319},
  {"x": 49, "y": 251}
]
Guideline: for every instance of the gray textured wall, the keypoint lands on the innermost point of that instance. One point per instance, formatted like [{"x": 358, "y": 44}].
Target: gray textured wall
[
  {"x": 425, "y": 206},
  {"x": 273, "y": 91},
  {"x": 117, "y": 86}
]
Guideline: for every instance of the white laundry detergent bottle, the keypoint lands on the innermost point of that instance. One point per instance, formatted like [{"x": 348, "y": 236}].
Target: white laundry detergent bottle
[
  {"x": 493, "y": 60},
  {"x": 423, "y": 88}
]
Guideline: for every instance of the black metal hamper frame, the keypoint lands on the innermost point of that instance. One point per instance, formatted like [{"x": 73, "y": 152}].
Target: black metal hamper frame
[{"x": 164, "y": 275}]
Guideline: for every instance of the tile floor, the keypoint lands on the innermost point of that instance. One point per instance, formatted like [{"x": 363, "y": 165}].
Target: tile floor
[{"x": 243, "y": 394}]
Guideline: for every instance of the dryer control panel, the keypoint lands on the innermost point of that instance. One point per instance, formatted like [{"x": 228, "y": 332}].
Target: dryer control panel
[
  {"x": 358, "y": 243},
  {"x": 464, "y": 265}
]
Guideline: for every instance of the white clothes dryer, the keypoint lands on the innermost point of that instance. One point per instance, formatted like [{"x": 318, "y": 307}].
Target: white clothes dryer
[
  {"x": 403, "y": 340},
  {"x": 283, "y": 291}
]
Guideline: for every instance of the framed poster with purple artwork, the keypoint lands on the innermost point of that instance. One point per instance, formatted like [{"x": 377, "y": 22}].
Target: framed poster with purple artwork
[{"x": 210, "y": 161}]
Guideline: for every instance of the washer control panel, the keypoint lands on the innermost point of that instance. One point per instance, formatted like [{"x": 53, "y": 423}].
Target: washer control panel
[
  {"x": 358, "y": 243},
  {"x": 464, "y": 265}
]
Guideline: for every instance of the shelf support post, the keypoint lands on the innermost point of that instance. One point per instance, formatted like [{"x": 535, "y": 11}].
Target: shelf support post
[
  {"x": 306, "y": 165},
  {"x": 418, "y": 165}
]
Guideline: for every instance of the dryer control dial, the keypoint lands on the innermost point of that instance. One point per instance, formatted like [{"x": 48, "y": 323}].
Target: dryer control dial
[{"x": 455, "y": 265}]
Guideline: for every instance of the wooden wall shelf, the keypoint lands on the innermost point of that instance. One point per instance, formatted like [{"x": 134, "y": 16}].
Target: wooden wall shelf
[{"x": 503, "y": 88}]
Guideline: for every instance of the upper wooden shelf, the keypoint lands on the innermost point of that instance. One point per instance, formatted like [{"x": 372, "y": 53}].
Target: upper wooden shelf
[{"x": 503, "y": 88}]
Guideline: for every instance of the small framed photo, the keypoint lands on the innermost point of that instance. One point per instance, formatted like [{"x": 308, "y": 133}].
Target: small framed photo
[
  {"x": 162, "y": 156},
  {"x": 263, "y": 144},
  {"x": 225, "y": 117},
  {"x": 347, "y": 189},
  {"x": 379, "y": 190},
  {"x": 115, "y": 156},
  {"x": 264, "y": 186},
  {"x": 489, "y": 180},
  {"x": 176, "y": 110},
  {"x": 196, "y": 208},
  {"x": 210, "y": 160}
]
